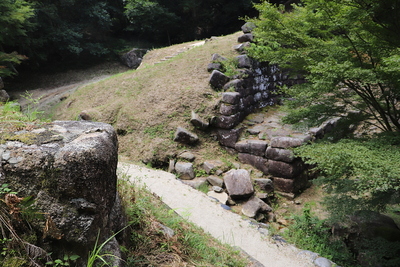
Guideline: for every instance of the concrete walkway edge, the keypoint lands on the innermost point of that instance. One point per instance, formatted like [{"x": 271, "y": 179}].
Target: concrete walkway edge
[{"x": 224, "y": 225}]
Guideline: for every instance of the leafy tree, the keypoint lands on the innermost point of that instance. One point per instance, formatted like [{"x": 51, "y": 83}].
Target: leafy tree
[
  {"x": 357, "y": 174},
  {"x": 348, "y": 51},
  {"x": 14, "y": 22},
  {"x": 68, "y": 28}
]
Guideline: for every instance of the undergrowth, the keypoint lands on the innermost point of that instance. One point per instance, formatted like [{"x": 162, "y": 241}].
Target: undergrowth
[{"x": 150, "y": 246}]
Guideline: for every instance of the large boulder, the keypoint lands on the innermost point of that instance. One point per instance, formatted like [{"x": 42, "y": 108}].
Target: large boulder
[
  {"x": 258, "y": 162},
  {"x": 69, "y": 169},
  {"x": 133, "y": 58},
  {"x": 238, "y": 184}
]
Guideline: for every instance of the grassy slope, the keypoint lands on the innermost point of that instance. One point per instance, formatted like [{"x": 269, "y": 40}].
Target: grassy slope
[{"x": 149, "y": 103}]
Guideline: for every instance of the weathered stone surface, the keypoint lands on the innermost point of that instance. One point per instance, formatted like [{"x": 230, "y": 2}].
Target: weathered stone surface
[
  {"x": 280, "y": 154},
  {"x": 265, "y": 185},
  {"x": 184, "y": 170},
  {"x": 4, "y": 97},
  {"x": 221, "y": 197},
  {"x": 234, "y": 85},
  {"x": 227, "y": 110},
  {"x": 323, "y": 262},
  {"x": 70, "y": 170},
  {"x": 241, "y": 47},
  {"x": 286, "y": 142},
  {"x": 284, "y": 169},
  {"x": 250, "y": 146},
  {"x": 248, "y": 27},
  {"x": 228, "y": 137},
  {"x": 171, "y": 166},
  {"x": 238, "y": 184},
  {"x": 215, "y": 181},
  {"x": 244, "y": 62},
  {"x": 217, "y": 189},
  {"x": 231, "y": 97},
  {"x": 218, "y": 57},
  {"x": 214, "y": 66},
  {"x": 133, "y": 58},
  {"x": 256, "y": 161},
  {"x": 212, "y": 165},
  {"x": 186, "y": 155},
  {"x": 196, "y": 182},
  {"x": 247, "y": 37},
  {"x": 198, "y": 122},
  {"x": 290, "y": 185},
  {"x": 218, "y": 79},
  {"x": 184, "y": 136},
  {"x": 255, "y": 205},
  {"x": 227, "y": 122}
]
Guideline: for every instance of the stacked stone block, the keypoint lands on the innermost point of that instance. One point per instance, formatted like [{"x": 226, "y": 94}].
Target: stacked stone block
[{"x": 277, "y": 160}]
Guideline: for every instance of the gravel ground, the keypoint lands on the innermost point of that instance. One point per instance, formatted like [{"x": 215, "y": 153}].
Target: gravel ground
[{"x": 222, "y": 224}]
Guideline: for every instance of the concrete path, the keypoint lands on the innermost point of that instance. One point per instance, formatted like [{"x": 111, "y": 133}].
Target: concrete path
[{"x": 222, "y": 224}]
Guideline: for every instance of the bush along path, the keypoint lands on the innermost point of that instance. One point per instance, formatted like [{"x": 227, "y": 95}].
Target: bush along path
[{"x": 221, "y": 223}]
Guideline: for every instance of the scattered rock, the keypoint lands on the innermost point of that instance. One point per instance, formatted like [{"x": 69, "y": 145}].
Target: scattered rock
[
  {"x": 248, "y": 27},
  {"x": 196, "y": 182},
  {"x": 184, "y": 170},
  {"x": 238, "y": 184},
  {"x": 198, "y": 122},
  {"x": 323, "y": 262},
  {"x": 265, "y": 185},
  {"x": 133, "y": 58},
  {"x": 214, "y": 66},
  {"x": 168, "y": 232},
  {"x": 247, "y": 37},
  {"x": 171, "y": 166},
  {"x": 253, "y": 206},
  {"x": 186, "y": 155},
  {"x": 212, "y": 165},
  {"x": 290, "y": 185},
  {"x": 221, "y": 197},
  {"x": 217, "y": 189},
  {"x": 218, "y": 58},
  {"x": 185, "y": 137}
]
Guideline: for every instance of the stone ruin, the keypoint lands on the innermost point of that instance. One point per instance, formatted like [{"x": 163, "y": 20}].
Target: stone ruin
[{"x": 68, "y": 168}]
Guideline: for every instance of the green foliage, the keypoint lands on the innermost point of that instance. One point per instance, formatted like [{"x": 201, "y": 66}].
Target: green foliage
[
  {"x": 189, "y": 242},
  {"x": 14, "y": 23},
  {"x": 32, "y": 113},
  {"x": 311, "y": 233},
  {"x": 346, "y": 49},
  {"x": 357, "y": 174},
  {"x": 66, "y": 261}
]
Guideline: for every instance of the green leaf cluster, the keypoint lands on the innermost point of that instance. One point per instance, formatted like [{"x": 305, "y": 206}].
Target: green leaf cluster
[
  {"x": 356, "y": 174},
  {"x": 346, "y": 49}
]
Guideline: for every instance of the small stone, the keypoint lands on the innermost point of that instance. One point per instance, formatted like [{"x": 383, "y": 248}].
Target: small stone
[
  {"x": 184, "y": 170},
  {"x": 171, "y": 166},
  {"x": 215, "y": 181},
  {"x": 221, "y": 197},
  {"x": 217, "y": 189},
  {"x": 186, "y": 155},
  {"x": 323, "y": 262},
  {"x": 184, "y": 136},
  {"x": 165, "y": 230}
]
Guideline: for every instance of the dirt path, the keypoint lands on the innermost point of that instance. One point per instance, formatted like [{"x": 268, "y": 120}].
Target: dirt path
[{"x": 222, "y": 224}]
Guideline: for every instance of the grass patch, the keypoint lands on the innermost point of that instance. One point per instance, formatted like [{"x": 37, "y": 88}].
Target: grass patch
[{"x": 189, "y": 246}]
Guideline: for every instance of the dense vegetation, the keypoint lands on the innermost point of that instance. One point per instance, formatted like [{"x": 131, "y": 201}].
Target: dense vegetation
[
  {"x": 46, "y": 31},
  {"x": 348, "y": 51}
]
